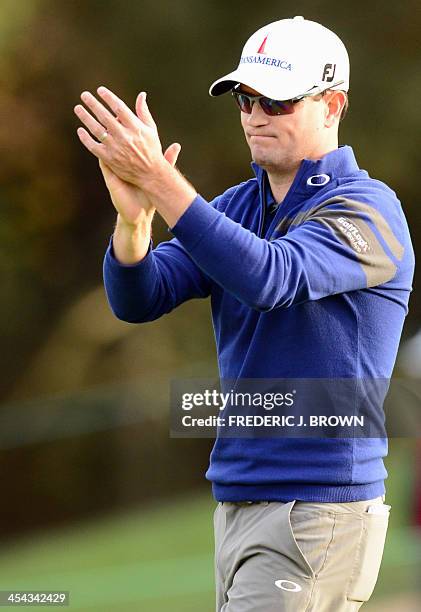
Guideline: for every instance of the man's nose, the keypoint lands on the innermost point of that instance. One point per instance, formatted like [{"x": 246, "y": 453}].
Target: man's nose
[{"x": 257, "y": 115}]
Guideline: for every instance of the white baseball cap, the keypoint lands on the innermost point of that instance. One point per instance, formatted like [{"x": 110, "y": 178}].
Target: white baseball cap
[{"x": 289, "y": 58}]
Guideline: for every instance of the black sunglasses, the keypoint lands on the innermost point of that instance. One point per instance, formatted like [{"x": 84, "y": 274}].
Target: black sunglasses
[{"x": 269, "y": 106}]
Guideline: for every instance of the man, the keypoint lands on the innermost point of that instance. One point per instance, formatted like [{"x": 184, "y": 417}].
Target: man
[{"x": 309, "y": 266}]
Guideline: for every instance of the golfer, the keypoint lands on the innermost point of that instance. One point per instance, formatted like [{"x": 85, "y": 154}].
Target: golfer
[{"x": 309, "y": 266}]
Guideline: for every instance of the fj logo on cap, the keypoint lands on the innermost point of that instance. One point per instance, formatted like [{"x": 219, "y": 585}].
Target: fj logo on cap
[
  {"x": 329, "y": 72},
  {"x": 261, "y": 49}
]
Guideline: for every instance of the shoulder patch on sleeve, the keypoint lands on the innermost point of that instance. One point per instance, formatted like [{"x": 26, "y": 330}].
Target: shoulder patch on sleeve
[{"x": 353, "y": 223}]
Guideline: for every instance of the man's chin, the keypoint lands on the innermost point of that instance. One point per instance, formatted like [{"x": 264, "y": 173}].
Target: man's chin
[
  {"x": 273, "y": 161},
  {"x": 264, "y": 161}
]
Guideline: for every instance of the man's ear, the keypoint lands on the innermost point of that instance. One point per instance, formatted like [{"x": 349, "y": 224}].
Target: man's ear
[{"x": 334, "y": 105}]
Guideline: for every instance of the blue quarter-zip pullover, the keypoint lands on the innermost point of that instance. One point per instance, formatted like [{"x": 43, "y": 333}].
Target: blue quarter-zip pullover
[{"x": 318, "y": 288}]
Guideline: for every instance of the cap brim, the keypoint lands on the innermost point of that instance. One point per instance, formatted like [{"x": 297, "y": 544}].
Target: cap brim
[
  {"x": 282, "y": 89},
  {"x": 224, "y": 84}
]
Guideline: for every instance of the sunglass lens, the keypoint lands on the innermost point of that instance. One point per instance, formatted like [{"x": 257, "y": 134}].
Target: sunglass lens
[
  {"x": 243, "y": 102},
  {"x": 269, "y": 106},
  {"x": 276, "y": 107}
]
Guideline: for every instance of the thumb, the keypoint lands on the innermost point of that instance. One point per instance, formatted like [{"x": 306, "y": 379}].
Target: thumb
[
  {"x": 111, "y": 179},
  {"x": 142, "y": 110},
  {"x": 172, "y": 153}
]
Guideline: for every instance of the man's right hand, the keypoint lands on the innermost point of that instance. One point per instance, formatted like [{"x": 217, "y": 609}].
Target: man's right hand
[
  {"x": 135, "y": 213},
  {"x": 129, "y": 201}
]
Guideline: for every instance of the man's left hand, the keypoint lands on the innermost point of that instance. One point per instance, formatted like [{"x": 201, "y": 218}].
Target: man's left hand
[{"x": 128, "y": 144}]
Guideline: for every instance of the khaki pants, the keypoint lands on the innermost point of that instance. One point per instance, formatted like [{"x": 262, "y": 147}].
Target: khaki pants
[{"x": 297, "y": 556}]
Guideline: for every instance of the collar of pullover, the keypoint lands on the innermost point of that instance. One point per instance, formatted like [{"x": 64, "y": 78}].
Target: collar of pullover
[{"x": 312, "y": 175}]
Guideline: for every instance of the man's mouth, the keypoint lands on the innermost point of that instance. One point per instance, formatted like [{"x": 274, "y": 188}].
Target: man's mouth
[{"x": 260, "y": 136}]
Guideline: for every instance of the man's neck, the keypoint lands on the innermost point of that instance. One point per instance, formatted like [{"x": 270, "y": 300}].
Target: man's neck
[{"x": 280, "y": 184}]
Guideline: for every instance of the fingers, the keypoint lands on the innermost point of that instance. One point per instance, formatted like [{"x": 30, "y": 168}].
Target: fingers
[
  {"x": 142, "y": 110},
  {"x": 172, "y": 153},
  {"x": 96, "y": 128},
  {"x": 119, "y": 108},
  {"x": 104, "y": 116},
  {"x": 90, "y": 143},
  {"x": 133, "y": 142}
]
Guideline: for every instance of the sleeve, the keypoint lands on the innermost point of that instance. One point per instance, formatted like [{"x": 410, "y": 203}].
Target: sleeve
[
  {"x": 163, "y": 279},
  {"x": 341, "y": 245}
]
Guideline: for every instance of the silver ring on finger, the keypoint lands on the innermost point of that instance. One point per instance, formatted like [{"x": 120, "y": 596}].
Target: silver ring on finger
[{"x": 103, "y": 136}]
